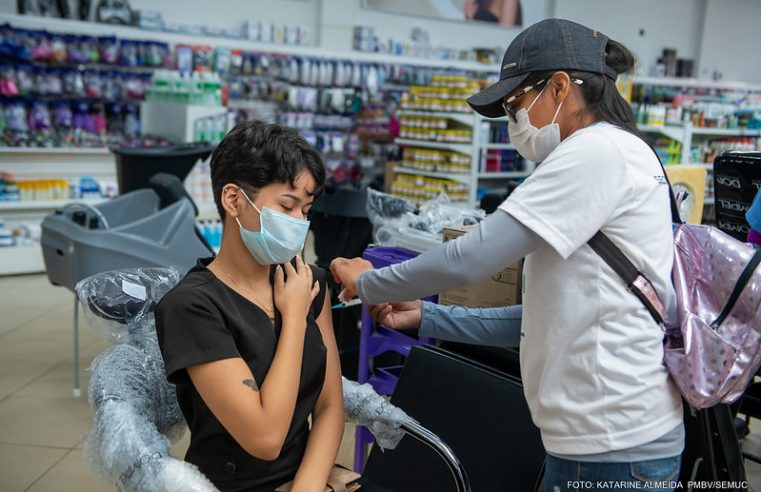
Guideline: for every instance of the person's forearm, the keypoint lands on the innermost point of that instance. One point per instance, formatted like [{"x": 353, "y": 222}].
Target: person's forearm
[
  {"x": 322, "y": 449},
  {"x": 499, "y": 326},
  {"x": 280, "y": 388},
  {"x": 497, "y": 242}
]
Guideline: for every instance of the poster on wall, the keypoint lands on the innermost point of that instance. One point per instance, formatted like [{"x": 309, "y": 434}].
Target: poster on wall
[{"x": 510, "y": 13}]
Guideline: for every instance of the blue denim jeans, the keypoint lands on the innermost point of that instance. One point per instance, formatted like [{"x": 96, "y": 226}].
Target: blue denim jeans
[{"x": 576, "y": 476}]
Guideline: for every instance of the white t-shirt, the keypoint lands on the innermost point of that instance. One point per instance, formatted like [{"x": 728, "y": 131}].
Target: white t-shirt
[{"x": 591, "y": 354}]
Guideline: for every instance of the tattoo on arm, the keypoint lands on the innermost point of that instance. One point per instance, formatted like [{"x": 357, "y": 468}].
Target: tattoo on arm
[{"x": 251, "y": 384}]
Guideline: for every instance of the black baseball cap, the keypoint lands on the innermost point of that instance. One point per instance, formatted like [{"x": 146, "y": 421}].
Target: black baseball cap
[{"x": 551, "y": 44}]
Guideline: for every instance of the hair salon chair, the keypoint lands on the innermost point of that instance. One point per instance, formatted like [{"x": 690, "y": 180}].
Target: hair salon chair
[{"x": 150, "y": 227}]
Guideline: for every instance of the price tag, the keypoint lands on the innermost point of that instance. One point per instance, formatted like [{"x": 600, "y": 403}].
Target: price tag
[{"x": 135, "y": 290}]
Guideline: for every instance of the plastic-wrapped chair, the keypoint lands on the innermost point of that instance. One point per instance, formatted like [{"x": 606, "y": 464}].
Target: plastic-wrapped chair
[{"x": 136, "y": 410}]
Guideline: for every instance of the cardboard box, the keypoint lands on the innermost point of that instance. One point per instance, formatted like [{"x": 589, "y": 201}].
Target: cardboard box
[
  {"x": 692, "y": 179},
  {"x": 501, "y": 289}
]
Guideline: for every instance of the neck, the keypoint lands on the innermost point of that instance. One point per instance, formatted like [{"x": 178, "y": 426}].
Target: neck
[
  {"x": 581, "y": 119},
  {"x": 235, "y": 259}
]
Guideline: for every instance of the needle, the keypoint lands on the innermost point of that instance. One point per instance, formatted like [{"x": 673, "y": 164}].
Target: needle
[{"x": 353, "y": 302}]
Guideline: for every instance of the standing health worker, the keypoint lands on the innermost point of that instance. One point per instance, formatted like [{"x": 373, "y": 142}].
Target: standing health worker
[{"x": 591, "y": 354}]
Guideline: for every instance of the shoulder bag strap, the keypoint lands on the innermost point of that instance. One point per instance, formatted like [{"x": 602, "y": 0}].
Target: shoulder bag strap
[{"x": 635, "y": 280}]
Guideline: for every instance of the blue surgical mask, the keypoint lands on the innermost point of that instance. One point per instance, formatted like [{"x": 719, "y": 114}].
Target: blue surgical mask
[{"x": 280, "y": 237}]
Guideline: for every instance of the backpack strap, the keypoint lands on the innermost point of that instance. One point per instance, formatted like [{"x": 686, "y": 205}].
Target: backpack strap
[
  {"x": 739, "y": 286},
  {"x": 635, "y": 280}
]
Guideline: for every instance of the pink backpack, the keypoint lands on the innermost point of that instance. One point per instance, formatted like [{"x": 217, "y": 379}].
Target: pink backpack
[{"x": 715, "y": 349}]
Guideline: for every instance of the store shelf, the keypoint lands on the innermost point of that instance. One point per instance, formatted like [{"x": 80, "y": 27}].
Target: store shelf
[
  {"x": 100, "y": 151},
  {"x": 504, "y": 175},
  {"x": 44, "y": 204},
  {"x": 464, "y": 118},
  {"x": 21, "y": 260},
  {"x": 498, "y": 146},
  {"x": 127, "y": 32},
  {"x": 465, "y": 178},
  {"x": 673, "y": 132},
  {"x": 708, "y": 84},
  {"x": 726, "y": 132},
  {"x": 464, "y": 148}
]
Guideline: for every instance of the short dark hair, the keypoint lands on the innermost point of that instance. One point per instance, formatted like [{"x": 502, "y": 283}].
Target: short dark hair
[
  {"x": 600, "y": 91},
  {"x": 256, "y": 154}
]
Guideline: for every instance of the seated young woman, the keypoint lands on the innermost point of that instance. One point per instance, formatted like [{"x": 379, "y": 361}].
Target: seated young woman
[{"x": 247, "y": 336}]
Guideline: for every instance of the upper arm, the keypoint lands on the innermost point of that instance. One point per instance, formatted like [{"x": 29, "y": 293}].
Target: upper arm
[
  {"x": 233, "y": 402},
  {"x": 332, "y": 391}
]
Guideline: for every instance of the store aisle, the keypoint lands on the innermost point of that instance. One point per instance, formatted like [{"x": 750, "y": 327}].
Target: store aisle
[{"x": 41, "y": 424}]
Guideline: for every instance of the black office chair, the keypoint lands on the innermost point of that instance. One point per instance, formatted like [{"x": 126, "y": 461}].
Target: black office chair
[{"x": 478, "y": 411}]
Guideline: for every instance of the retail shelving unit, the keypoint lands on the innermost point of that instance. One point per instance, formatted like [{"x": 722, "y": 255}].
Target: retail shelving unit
[
  {"x": 687, "y": 134},
  {"x": 127, "y": 32},
  {"x": 31, "y": 163},
  {"x": 474, "y": 149}
]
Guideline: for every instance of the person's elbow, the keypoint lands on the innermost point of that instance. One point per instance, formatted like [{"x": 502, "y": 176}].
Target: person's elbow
[{"x": 265, "y": 447}]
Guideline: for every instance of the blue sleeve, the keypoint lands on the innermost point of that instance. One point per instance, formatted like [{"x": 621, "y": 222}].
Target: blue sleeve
[
  {"x": 499, "y": 326},
  {"x": 497, "y": 242}
]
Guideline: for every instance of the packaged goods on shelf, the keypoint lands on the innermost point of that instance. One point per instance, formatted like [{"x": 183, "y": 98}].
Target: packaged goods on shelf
[
  {"x": 707, "y": 150},
  {"x": 366, "y": 40},
  {"x": 420, "y": 189},
  {"x": 27, "y": 190},
  {"x": 446, "y": 93},
  {"x": 669, "y": 151},
  {"x": 182, "y": 88},
  {"x": 211, "y": 230},
  {"x": 502, "y": 160},
  {"x": 9, "y": 190},
  {"x": 435, "y": 160},
  {"x": 20, "y": 234},
  {"x": 433, "y": 129},
  {"x": 6, "y": 236},
  {"x": 67, "y": 49},
  {"x": 43, "y": 189},
  {"x": 702, "y": 107},
  {"x": 495, "y": 132}
]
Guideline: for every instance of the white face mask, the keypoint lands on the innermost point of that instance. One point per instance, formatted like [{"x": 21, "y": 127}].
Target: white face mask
[{"x": 533, "y": 143}]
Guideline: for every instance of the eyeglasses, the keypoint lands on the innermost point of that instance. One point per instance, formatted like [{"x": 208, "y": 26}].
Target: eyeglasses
[{"x": 507, "y": 103}]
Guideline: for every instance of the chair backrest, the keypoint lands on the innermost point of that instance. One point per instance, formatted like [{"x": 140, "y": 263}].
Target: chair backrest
[
  {"x": 479, "y": 412},
  {"x": 170, "y": 189}
]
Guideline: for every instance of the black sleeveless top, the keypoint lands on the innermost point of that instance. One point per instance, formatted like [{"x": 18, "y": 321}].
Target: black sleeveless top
[{"x": 203, "y": 320}]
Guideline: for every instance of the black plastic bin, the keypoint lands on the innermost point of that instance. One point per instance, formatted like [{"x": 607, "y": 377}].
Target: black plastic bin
[{"x": 136, "y": 166}]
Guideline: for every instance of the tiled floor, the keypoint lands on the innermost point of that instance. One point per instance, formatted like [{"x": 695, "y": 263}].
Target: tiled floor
[{"x": 41, "y": 424}]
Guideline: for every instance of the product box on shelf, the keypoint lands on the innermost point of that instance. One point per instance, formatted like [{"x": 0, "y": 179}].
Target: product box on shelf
[{"x": 503, "y": 288}]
